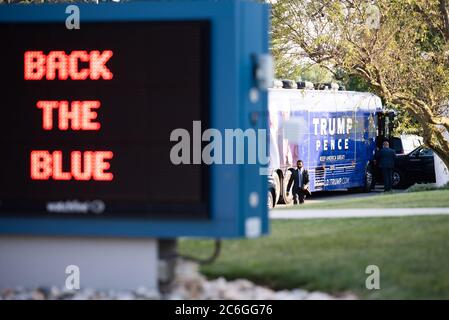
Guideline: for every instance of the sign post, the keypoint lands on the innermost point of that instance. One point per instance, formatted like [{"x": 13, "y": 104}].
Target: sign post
[{"x": 93, "y": 118}]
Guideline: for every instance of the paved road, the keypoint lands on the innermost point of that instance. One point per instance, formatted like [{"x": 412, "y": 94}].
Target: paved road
[
  {"x": 304, "y": 213},
  {"x": 323, "y": 196},
  {"x": 294, "y": 212}
]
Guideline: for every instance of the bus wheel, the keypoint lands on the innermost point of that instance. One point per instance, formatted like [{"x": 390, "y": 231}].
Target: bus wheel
[
  {"x": 284, "y": 198},
  {"x": 270, "y": 199},
  {"x": 277, "y": 190},
  {"x": 369, "y": 180}
]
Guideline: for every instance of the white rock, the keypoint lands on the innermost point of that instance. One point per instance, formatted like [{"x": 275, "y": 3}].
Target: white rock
[
  {"x": 299, "y": 294},
  {"x": 232, "y": 294},
  {"x": 145, "y": 293},
  {"x": 316, "y": 295},
  {"x": 80, "y": 296},
  {"x": 244, "y": 284},
  {"x": 55, "y": 291},
  {"x": 125, "y": 296},
  {"x": 261, "y": 293},
  {"x": 347, "y": 296},
  {"x": 175, "y": 296},
  {"x": 187, "y": 270},
  {"x": 284, "y": 295}
]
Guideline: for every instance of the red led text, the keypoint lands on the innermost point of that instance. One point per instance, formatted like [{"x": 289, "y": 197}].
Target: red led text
[
  {"x": 84, "y": 166},
  {"x": 79, "y": 115},
  {"x": 62, "y": 66},
  {"x": 69, "y": 115}
]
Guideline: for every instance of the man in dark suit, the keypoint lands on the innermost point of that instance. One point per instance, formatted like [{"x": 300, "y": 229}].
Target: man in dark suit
[
  {"x": 300, "y": 180},
  {"x": 386, "y": 157}
]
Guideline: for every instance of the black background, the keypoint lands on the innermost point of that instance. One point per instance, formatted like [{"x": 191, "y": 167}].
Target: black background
[{"x": 160, "y": 83}]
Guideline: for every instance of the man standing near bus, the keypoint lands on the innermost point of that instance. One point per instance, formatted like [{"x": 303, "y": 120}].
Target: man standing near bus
[
  {"x": 386, "y": 158},
  {"x": 300, "y": 180}
]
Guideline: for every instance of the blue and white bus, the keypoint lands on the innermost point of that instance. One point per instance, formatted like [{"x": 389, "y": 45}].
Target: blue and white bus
[{"x": 334, "y": 132}]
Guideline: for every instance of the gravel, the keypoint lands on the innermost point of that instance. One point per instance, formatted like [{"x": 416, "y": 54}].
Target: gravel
[{"x": 188, "y": 284}]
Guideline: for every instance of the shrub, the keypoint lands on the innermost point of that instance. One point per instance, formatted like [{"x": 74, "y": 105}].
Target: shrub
[{"x": 426, "y": 187}]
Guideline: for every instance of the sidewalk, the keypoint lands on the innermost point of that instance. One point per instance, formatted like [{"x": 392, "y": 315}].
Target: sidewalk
[{"x": 301, "y": 213}]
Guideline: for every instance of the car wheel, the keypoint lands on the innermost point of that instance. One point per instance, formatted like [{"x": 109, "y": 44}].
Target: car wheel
[{"x": 398, "y": 179}]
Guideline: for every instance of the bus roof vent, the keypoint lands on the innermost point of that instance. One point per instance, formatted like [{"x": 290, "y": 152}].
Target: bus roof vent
[
  {"x": 305, "y": 85},
  {"x": 288, "y": 84},
  {"x": 327, "y": 86},
  {"x": 277, "y": 83},
  {"x": 335, "y": 86}
]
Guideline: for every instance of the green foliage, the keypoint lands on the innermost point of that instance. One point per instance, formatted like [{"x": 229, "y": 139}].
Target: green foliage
[
  {"x": 357, "y": 83},
  {"x": 315, "y": 73},
  {"x": 419, "y": 187},
  {"x": 405, "y": 124},
  {"x": 397, "y": 49}
]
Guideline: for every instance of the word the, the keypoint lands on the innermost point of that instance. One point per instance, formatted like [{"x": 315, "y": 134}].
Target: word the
[
  {"x": 80, "y": 115},
  {"x": 38, "y": 65},
  {"x": 87, "y": 165}
]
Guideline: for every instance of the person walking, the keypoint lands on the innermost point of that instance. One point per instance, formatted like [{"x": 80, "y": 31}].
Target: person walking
[
  {"x": 300, "y": 181},
  {"x": 386, "y": 159}
]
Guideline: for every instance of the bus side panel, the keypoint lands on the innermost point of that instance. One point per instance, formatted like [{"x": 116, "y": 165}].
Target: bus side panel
[
  {"x": 336, "y": 146},
  {"x": 340, "y": 145}
]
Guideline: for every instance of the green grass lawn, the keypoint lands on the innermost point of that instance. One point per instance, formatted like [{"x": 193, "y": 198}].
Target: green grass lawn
[
  {"x": 424, "y": 199},
  {"x": 331, "y": 255}
]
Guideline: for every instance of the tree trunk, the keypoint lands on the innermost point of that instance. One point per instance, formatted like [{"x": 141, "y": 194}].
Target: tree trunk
[
  {"x": 436, "y": 138},
  {"x": 443, "y": 6},
  {"x": 441, "y": 152}
]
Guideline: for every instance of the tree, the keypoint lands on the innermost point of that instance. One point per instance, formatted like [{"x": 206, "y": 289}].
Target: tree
[{"x": 400, "y": 48}]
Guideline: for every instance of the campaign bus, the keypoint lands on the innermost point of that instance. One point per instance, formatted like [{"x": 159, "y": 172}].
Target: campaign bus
[{"x": 333, "y": 131}]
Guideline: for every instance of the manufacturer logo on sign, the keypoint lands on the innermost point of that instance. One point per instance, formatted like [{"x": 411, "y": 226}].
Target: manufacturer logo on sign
[{"x": 75, "y": 206}]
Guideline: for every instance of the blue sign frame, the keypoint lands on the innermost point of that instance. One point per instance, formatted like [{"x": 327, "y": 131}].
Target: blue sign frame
[{"x": 238, "y": 201}]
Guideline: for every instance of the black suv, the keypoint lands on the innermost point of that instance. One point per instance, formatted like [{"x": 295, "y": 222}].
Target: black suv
[
  {"x": 416, "y": 167},
  {"x": 396, "y": 145}
]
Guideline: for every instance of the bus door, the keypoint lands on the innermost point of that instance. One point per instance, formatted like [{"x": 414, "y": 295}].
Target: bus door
[{"x": 385, "y": 127}]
